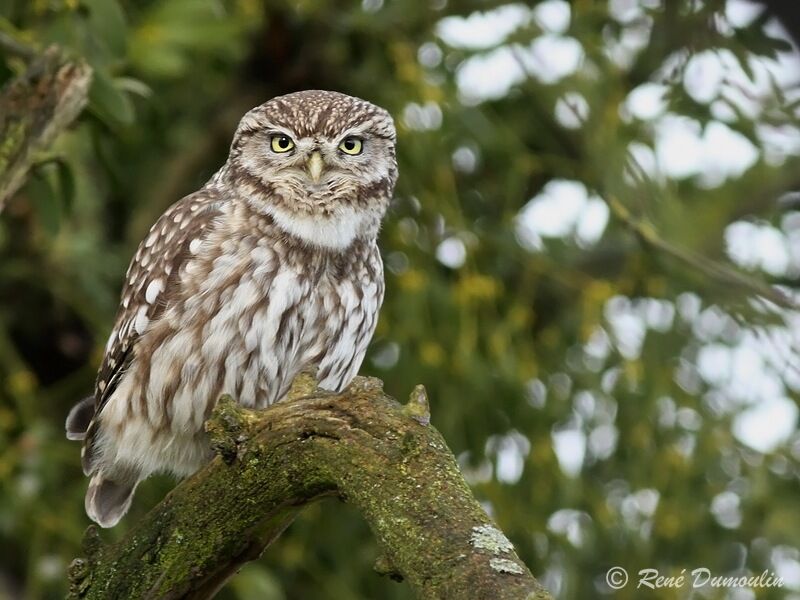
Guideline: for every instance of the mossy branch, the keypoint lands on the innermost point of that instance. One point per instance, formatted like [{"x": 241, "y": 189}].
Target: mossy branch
[
  {"x": 34, "y": 108},
  {"x": 362, "y": 446}
]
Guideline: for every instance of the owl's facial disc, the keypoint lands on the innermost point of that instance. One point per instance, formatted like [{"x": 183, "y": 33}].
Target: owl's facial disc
[{"x": 322, "y": 164}]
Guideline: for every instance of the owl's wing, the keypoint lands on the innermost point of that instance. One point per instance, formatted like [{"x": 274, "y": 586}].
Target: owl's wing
[{"x": 151, "y": 282}]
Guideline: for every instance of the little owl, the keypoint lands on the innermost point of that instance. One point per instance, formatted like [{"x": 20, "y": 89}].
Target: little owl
[{"x": 270, "y": 268}]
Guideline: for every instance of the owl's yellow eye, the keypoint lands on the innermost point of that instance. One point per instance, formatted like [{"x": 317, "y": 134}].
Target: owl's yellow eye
[
  {"x": 351, "y": 145},
  {"x": 281, "y": 143}
]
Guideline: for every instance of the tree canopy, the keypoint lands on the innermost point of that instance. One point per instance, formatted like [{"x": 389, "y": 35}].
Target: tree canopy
[{"x": 591, "y": 265}]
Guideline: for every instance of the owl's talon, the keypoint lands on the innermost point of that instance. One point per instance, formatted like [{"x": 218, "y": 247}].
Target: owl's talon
[
  {"x": 304, "y": 384},
  {"x": 227, "y": 427},
  {"x": 366, "y": 385}
]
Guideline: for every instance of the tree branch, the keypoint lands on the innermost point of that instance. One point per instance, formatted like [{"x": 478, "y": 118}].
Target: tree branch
[
  {"x": 34, "y": 108},
  {"x": 379, "y": 456},
  {"x": 716, "y": 271}
]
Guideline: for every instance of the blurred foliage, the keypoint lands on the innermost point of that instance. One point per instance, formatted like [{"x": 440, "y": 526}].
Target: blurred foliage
[{"x": 534, "y": 347}]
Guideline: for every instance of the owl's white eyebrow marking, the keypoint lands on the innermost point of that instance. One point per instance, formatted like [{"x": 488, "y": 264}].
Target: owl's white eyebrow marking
[
  {"x": 153, "y": 290},
  {"x": 362, "y": 129},
  {"x": 271, "y": 128},
  {"x": 365, "y": 129},
  {"x": 281, "y": 131}
]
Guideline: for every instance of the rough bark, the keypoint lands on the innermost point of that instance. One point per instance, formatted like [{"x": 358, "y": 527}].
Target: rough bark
[
  {"x": 383, "y": 458},
  {"x": 34, "y": 108}
]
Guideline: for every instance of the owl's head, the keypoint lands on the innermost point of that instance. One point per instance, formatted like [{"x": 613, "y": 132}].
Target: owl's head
[{"x": 321, "y": 163}]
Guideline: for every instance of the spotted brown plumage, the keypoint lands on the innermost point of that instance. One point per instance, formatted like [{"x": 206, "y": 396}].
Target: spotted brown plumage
[{"x": 270, "y": 268}]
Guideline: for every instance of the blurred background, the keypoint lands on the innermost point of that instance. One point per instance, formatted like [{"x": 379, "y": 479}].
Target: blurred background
[{"x": 590, "y": 263}]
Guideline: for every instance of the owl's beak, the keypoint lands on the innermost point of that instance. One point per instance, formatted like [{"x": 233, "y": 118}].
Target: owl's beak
[{"x": 314, "y": 165}]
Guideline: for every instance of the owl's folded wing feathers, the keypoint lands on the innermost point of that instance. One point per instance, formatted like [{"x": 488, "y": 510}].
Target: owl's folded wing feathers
[{"x": 151, "y": 281}]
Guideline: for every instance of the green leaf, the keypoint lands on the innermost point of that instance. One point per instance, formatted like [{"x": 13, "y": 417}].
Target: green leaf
[
  {"x": 134, "y": 86},
  {"x": 109, "y": 102},
  {"x": 66, "y": 184},
  {"x": 107, "y": 24},
  {"x": 45, "y": 201}
]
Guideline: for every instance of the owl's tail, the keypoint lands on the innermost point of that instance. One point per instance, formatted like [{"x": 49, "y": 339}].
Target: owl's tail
[
  {"x": 79, "y": 419},
  {"x": 107, "y": 500},
  {"x": 110, "y": 493}
]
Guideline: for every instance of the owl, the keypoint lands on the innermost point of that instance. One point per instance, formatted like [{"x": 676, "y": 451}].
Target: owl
[{"x": 271, "y": 268}]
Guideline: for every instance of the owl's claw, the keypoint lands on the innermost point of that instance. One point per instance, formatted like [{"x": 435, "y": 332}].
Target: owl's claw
[{"x": 227, "y": 427}]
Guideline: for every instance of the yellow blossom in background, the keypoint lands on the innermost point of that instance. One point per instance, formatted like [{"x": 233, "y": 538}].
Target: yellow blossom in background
[
  {"x": 432, "y": 354},
  {"x": 477, "y": 287},
  {"x": 412, "y": 280},
  {"x": 22, "y": 383}
]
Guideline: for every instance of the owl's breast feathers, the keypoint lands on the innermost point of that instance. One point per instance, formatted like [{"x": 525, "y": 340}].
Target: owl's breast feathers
[{"x": 219, "y": 299}]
